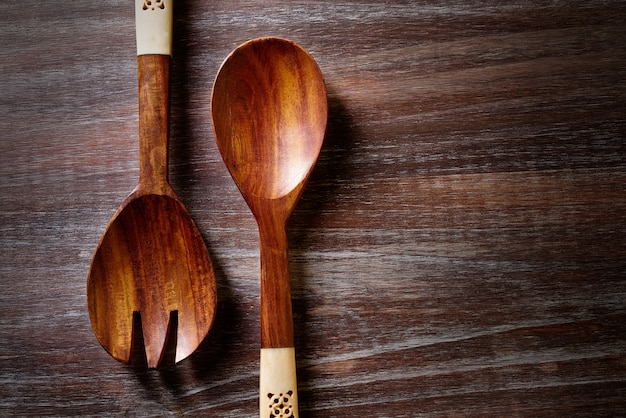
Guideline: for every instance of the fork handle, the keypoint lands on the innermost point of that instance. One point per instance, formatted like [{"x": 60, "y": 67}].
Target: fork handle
[{"x": 154, "y": 23}]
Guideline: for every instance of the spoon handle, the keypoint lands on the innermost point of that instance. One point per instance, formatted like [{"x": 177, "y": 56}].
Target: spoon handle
[
  {"x": 276, "y": 316},
  {"x": 278, "y": 383},
  {"x": 153, "y": 21}
]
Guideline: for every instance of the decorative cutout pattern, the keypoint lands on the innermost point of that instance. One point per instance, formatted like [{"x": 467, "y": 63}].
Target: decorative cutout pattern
[
  {"x": 280, "y": 405},
  {"x": 154, "y": 4}
]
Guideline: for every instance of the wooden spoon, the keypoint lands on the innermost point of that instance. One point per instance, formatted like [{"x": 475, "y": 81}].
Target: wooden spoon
[
  {"x": 269, "y": 110},
  {"x": 152, "y": 258}
]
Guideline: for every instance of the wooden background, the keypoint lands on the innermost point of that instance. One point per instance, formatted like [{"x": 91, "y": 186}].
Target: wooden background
[{"x": 460, "y": 249}]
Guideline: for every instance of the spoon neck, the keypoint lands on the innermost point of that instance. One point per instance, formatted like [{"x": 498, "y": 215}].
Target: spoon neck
[{"x": 154, "y": 72}]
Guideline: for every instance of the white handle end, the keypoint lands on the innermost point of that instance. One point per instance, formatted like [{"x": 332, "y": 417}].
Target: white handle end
[
  {"x": 279, "y": 392},
  {"x": 154, "y": 22}
]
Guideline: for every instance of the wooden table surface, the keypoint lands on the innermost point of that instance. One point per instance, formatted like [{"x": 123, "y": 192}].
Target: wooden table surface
[{"x": 460, "y": 249}]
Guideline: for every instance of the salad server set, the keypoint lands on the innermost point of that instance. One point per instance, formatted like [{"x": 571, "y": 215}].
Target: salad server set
[{"x": 151, "y": 269}]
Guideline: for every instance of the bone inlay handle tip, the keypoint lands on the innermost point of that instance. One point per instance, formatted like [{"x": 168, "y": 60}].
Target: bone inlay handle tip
[
  {"x": 278, "y": 394},
  {"x": 154, "y": 22}
]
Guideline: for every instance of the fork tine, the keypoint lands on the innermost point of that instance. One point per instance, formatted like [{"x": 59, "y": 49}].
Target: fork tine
[{"x": 155, "y": 329}]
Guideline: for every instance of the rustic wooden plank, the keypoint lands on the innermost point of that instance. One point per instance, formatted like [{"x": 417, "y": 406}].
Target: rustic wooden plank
[{"x": 460, "y": 248}]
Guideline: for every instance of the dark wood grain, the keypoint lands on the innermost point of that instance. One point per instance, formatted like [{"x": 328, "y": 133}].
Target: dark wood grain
[{"x": 459, "y": 250}]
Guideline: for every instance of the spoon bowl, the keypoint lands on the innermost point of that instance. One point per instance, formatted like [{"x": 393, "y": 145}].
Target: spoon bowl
[{"x": 269, "y": 110}]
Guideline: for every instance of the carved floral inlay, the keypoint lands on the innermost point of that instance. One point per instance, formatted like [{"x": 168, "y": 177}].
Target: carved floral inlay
[
  {"x": 153, "y": 4},
  {"x": 280, "y": 405}
]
